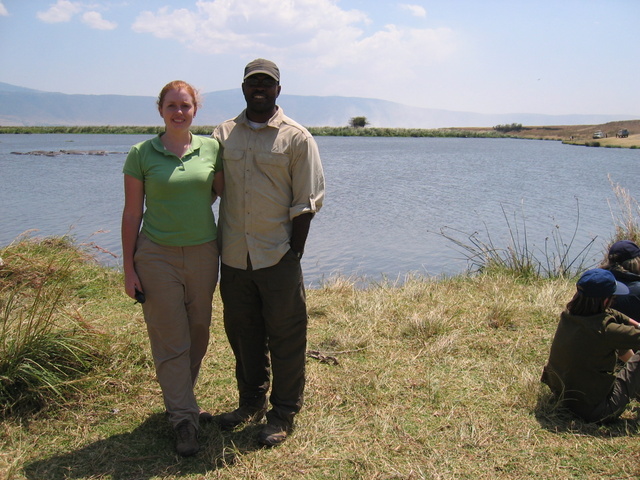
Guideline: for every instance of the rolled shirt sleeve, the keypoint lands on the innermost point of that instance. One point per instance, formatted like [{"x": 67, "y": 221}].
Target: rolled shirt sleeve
[{"x": 307, "y": 177}]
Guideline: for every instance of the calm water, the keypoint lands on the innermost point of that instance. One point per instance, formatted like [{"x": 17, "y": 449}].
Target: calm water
[{"x": 387, "y": 198}]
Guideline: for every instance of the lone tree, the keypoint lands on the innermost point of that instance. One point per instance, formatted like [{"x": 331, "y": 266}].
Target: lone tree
[
  {"x": 358, "y": 122},
  {"x": 514, "y": 127}
]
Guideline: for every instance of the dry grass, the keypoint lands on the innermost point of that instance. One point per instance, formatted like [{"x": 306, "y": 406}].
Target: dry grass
[
  {"x": 435, "y": 379},
  {"x": 625, "y": 214},
  {"x": 581, "y": 134}
]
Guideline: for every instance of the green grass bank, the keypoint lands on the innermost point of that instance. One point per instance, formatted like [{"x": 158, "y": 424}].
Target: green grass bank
[{"x": 434, "y": 378}]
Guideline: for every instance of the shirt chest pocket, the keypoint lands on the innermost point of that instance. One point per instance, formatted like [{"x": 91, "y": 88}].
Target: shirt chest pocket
[
  {"x": 233, "y": 155},
  {"x": 270, "y": 159}
]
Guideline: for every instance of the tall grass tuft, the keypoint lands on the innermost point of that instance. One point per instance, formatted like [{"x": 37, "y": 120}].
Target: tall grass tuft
[
  {"x": 45, "y": 350},
  {"x": 626, "y": 217},
  {"x": 518, "y": 257}
]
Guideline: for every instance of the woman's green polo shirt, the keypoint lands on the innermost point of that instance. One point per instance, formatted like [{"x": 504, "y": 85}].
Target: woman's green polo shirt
[{"x": 178, "y": 192}]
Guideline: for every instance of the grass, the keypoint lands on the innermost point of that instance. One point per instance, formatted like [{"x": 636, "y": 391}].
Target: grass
[
  {"x": 316, "y": 131},
  {"x": 433, "y": 378},
  {"x": 624, "y": 214},
  {"x": 558, "y": 257},
  {"x": 428, "y": 378},
  {"x": 569, "y": 134},
  {"x": 44, "y": 348}
]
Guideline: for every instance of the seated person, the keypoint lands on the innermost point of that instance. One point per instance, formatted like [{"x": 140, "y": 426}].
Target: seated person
[
  {"x": 589, "y": 339},
  {"x": 623, "y": 261}
]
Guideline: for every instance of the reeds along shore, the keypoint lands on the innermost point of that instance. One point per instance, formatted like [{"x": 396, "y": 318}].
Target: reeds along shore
[
  {"x": 570, "y": 134},
  {"x": 206, "y": 130}
]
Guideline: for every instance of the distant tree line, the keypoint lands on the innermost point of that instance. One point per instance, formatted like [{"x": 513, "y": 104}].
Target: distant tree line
[
  {"x": 346, "y": 131},
  {"x": 400, "y": 132}
]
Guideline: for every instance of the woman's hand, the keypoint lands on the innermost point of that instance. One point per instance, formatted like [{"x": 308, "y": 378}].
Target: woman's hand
[{"x": 131, "y": 283}]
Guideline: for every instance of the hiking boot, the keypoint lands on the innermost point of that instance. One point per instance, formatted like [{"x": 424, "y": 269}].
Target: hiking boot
[
  {"x": 204, "y": 416},
  {"x": 244, "y": 414},
  {"x": 187, "y": 439},
  {"x": 273, "y": 434}
]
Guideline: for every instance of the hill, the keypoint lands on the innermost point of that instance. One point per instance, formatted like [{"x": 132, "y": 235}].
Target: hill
[
  {"x": 581, "y": 134},
  {"x": 25, "y": 107}
]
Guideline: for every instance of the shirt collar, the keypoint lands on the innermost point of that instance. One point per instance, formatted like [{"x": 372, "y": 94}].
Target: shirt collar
[
  {"x": 275, "y": 121},
  {"x": 196, "y": 143}
]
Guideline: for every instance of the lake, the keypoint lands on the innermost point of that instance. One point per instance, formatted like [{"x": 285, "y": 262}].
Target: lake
[{"x": 387, "y": 198}]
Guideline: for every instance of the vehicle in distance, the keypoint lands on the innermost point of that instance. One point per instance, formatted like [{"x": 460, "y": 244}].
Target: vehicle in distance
[{"x": 624, "y": 133}]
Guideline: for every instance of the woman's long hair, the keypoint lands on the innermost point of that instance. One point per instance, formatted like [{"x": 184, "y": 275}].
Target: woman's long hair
[
  {"x": 584, "y": 306},
  {"x": 632, "y": 265}
]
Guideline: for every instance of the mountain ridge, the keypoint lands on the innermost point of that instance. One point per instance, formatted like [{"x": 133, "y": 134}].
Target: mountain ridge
[{"x": 20, "y": 106}]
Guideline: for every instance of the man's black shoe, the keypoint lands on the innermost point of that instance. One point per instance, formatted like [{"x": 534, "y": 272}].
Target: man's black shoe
[
  {"x": 230, "y": 420},
  {"x": 272, "y": 434}
]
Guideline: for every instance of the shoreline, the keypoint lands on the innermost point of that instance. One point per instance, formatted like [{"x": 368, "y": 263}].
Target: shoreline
[{"x": 581, "y": 135}]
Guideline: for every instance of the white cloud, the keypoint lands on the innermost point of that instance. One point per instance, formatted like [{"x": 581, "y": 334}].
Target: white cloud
[
  {"x": 322, "y": 47},
  {"x": 62, "y": 11},
  {"x": 95, "y": 20},
  {"x": 391, "y": 62},
  {"x": 221, "y": 26},
  {"x": 3, "y": 10},
  {"x": 65, "y": 10},
  {"x": 298, "y": 31},
  {"x": 415, "y": 10}
]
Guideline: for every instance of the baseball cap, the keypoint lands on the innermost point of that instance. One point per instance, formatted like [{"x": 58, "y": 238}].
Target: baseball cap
[
  {"x": 600, "y": 283},
  {"x": 623, "y": 250},
  {"x": 260, "y": 65}
]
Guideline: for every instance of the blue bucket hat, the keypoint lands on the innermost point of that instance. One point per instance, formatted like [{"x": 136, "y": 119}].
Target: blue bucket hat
[{"x": 600, "y": 283}]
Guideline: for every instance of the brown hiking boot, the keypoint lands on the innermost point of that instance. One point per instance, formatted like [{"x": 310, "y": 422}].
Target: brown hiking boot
[
  {"x": 244, "y": 414},
  {"x": 187, "y": 439}
]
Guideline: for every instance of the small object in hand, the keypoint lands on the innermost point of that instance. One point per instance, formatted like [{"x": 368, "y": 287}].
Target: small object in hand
[{"x": 140, "y": 296}]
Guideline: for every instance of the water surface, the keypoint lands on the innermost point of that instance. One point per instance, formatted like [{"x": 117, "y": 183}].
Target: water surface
[{"x": 387, "y": 198}]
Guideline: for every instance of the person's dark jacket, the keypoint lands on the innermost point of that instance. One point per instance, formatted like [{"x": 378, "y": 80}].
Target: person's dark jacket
[{"x": 628, "y": 304}]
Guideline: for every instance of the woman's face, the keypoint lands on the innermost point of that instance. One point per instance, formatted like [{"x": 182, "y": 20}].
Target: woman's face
[{"x": 178, "y": 109}]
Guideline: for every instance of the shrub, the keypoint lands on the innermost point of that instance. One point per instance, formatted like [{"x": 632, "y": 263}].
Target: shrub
[
  {"x": 514, "y": 127},
  {"x": 358, "y": 122}
]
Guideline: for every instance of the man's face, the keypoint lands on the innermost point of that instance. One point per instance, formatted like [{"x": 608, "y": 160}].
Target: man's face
[{"x": 261, "y": 91}]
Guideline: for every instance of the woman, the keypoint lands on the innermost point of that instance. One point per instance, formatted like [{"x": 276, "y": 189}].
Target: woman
[
  {"x": 173, "y": 258},
  {"x": 589, "y": 339},
  {"x": 623, "y": 260}
]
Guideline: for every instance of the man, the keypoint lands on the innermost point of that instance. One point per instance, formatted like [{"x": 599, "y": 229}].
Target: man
[{"x": 274, "y": 185}]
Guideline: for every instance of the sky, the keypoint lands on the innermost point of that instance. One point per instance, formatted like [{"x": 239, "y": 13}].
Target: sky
[{"x": 554, "y": 57}]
